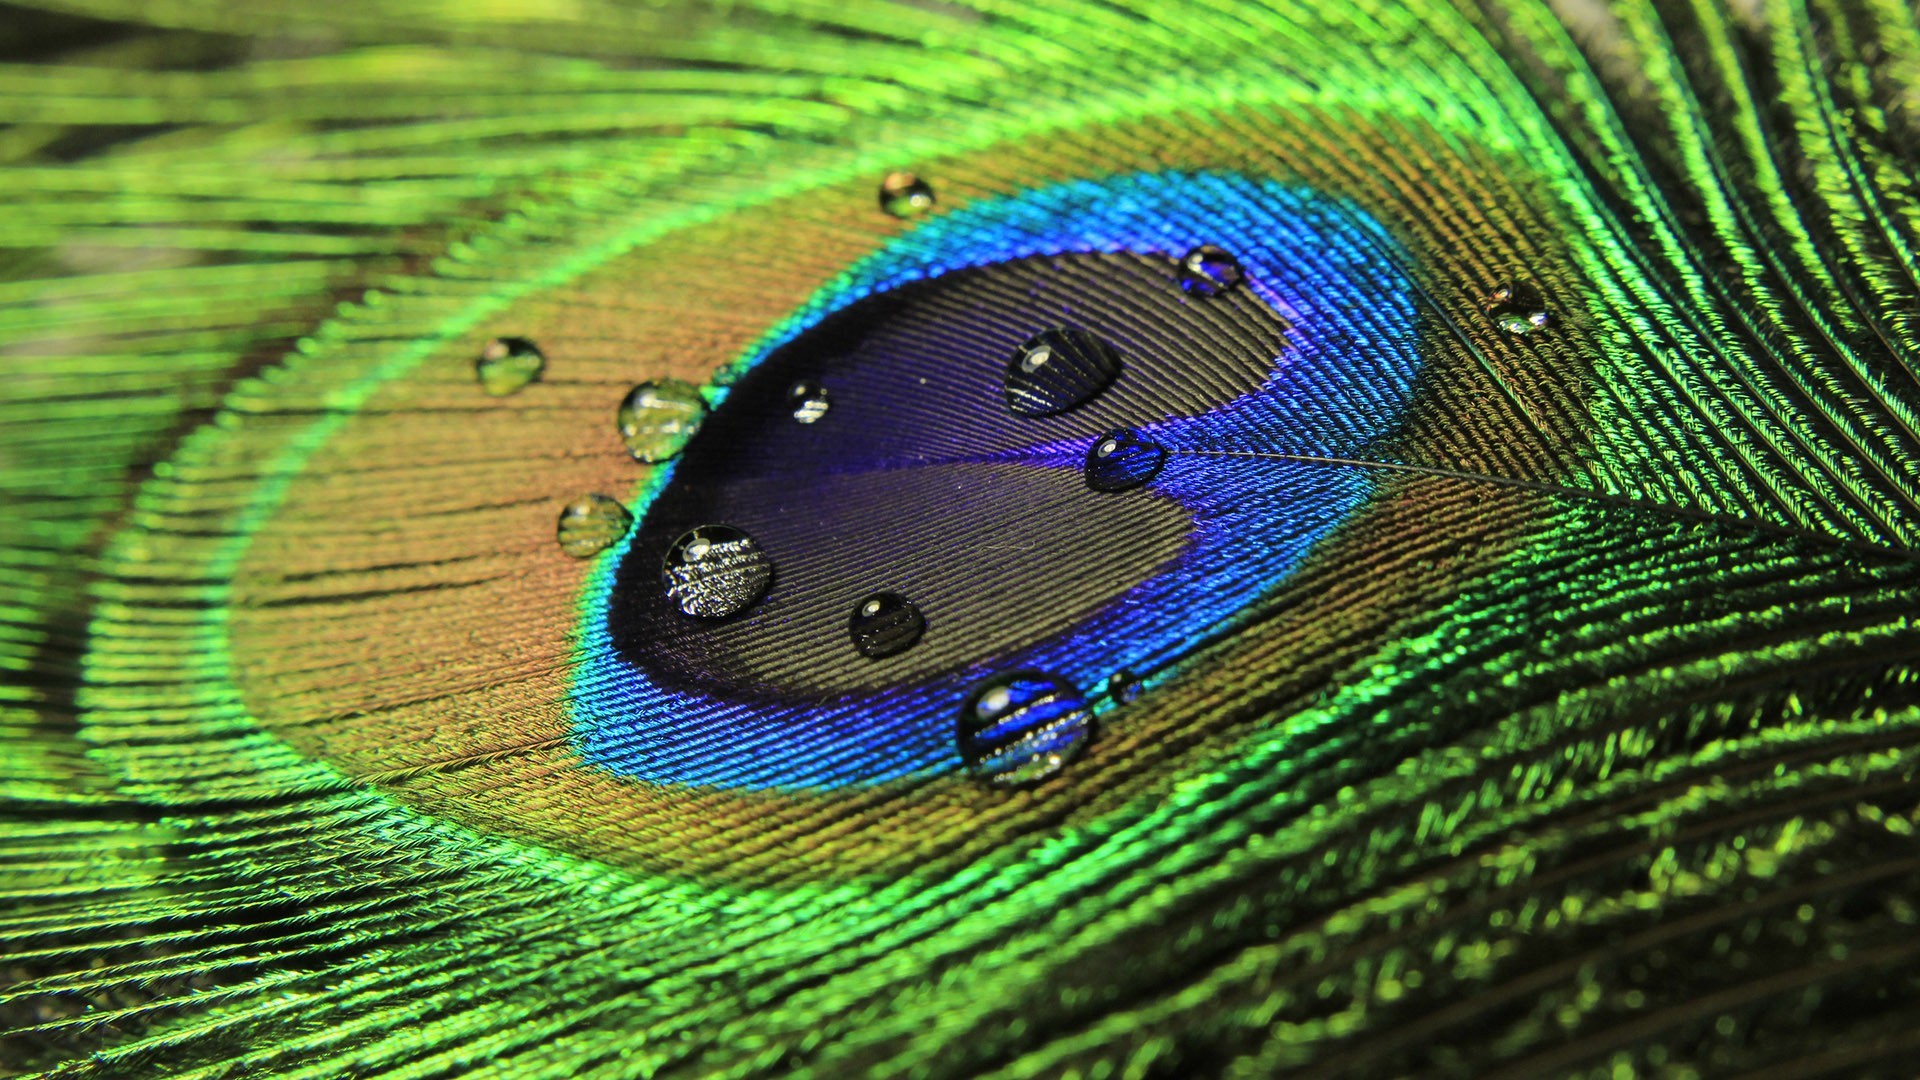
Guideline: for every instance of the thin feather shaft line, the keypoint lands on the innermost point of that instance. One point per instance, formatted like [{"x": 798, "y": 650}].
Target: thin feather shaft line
[{"x": 1582, "y": 494}]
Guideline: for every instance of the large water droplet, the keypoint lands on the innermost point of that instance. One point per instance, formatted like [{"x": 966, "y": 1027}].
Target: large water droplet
[
  {"x": 507, "y": 364},
  {"x": 1058, "y": 369},
  {"x": 1210, "y": 270},
  {"x": 1123, "y": 459},
  {"x": 885, "y": 623},
  {"x": 809, "y": 401},
  {"x": 905, "y": 195},
  {"x": 1022, "y": 728},
  {"x": 657, "y": 419},
  {"x": 591, "y": 524},
  {"x": 1517, "y": 308},
  {"x": 715, "y": 571}
]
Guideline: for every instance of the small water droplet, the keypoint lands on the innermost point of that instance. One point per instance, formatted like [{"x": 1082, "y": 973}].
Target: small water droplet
[
  {"x": 1058, "y": 369},
  {"x": 1209, "y": 270},
  {"x": 591, "y": 524},
  {"x": 1123, "y": 686},
  {"x": 715, "y": 571},
  {"x": 1123, "y": 459},
  {"x": 885, "y": 623},
  {"x": 507, "y": 364},
  {"x": 657, "y": 419},
  {"x": 1022, "y": 728},
  {"x": 905, "y": 195},
  {"x": 1517, "y": 308},
  {"x": 809, "y": 401}
]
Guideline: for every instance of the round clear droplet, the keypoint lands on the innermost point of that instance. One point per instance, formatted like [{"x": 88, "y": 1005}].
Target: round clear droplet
[
  {"x": 1057, "y": 370},
  {"x": 905, "y": 195},
  {"x": 591, "y": 524},
  {"x": 715, "y": 571},
  {"x": 1022, "y": 728},
  {"x": 1209, "y": 270},
  {"x": 809, "y": 401},
  {"x": 507, "y": 364},
  {"x": 657, "y": 418},
  {"x": 1517, "y": 308},
  {"x": 885, "y": 623},
  {"x": 1123, "y": 686},
  {"x": 1123, "y": 459}
]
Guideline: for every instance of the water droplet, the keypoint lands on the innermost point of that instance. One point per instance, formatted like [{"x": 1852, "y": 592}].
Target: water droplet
[
  {"x": 885, "y": 623},
  {"x": 809, "y": 401},
  {"x": 507, "y": 364},
  {"x": 1022, "y": 728},
  {"x": 715, "y": 571},
  {"x": 1517, "y": 308},
  {"x": 905, "y": 195},
  {"x": 657, "y": 419},
  {"x": 1058, "y": 369},
  {"x": 1123, "y": 686},
  {"x": 1210, "y": 270},
  {"x": 591, "y": 524},
  {"x": 1123, "y": 459}
]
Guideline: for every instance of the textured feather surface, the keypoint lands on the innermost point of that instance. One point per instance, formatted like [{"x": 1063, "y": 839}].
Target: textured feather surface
[{"x": 1515, "y": 701}]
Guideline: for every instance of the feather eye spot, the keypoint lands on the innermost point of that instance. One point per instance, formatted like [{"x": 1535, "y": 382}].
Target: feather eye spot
[
  {"x": 715, "y": 571},
  {"x": 1058, "y": 370},
  {"x": 1021, "y": 728},
  {"x": 1122, "y": 460},
  {"x": 885, "y": 624},
  {"x": 591, "y": 524},
  {"x": 507, "y": 365},
  {"x": 1517, "y": 308},
  {"x": 904, "y": 195},
  {"x": 657, "y": 419},
  {"x": 1209, "y": 270},
  {"x": 915, "y": 473},
  {"x": 809, "y": 401}
]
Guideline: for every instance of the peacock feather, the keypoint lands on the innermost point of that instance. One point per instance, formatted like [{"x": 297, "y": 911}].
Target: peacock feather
[{"x": 568, "y": 538}]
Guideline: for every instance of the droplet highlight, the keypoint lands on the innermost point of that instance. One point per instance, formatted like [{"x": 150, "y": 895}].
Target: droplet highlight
[
  {"x": 1123, "y": 459},
  {"x": 657, "y": 418},
  {"x": 809, "y": 401},
  {"x": 1517, "y": 308},
  {"x": 507, "y": 364},
  {"x": 592, "y": 524},
  {"x": 905, "y": 195},
  {"x": 884, "y": 624},
  {"x": 715, "y": 571},
  {"x": 1209, "y": 270},
  {"x": 1057, "y": 370},
  {"x": 1022, "y": 728},
  {"x": 1123, "y": 686}
]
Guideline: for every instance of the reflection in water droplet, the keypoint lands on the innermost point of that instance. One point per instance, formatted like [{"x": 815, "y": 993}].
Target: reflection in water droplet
[
  {"x": 1210, "y": 270},
  {"x": 508, "y": 364},
  {"x": 1123, "y": 459},
  {"x": 657, "y": 419},
  {"x": 715, "y": 571},
  {"x": 905, "y": 195},
  {"x": 591, "y": 524},
  {"x": 809, "y": 401},
  {"x": 1517, "y": 308},
  {"x": 1123, "y": 686},
  {"x": 1057, "y": 370},
  {"x": 1022, "y": 728},
  {"x": 885, "y": 623}
]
